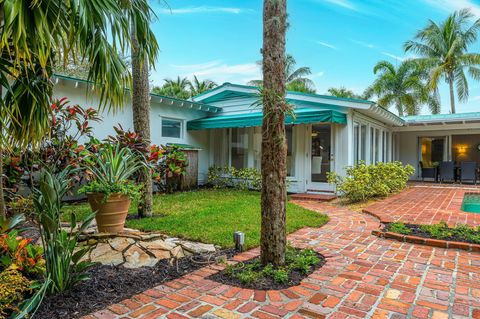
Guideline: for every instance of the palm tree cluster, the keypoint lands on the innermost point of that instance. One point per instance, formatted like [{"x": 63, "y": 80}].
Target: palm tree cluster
[
  {"x": 183, "y": 88},
  {"x": 443, "y": 54},
  {"x": 295, "y": 78}
]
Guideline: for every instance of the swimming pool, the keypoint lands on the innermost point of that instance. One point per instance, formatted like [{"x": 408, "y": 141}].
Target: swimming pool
[{"x": 471, "y": 203}]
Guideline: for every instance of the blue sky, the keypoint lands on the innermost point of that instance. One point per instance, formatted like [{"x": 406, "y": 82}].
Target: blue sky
[{"x": 340, "y": 40}]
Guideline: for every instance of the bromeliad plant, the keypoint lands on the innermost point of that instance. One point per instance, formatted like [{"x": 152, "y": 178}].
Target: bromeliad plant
[
  {"x": 62, "y": 253},
  {"x": 112, "y": 170}
]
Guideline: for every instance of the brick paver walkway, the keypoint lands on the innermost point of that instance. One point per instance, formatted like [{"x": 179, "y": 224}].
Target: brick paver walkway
[
  {"x": 364, "y": 277},
  {"x": 426, "y": 205}
]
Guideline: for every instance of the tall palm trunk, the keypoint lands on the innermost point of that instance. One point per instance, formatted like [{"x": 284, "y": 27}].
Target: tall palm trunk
[
  {"x": 2, "y": 198},
  {"x": 400, "y": 108},
  {"x": 452, "y": 92},
  {"x": 274, "y": 147},
  {"x": 141, "y": 120}
]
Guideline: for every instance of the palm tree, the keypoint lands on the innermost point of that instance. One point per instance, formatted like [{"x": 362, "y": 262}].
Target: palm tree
[
  {"x": 403, "y": 87},
  {"x": 140, "y": 23},
  {"x": 178, "y": 88},
  {"x": 37, "y": 34},
  {"x": 198, "y": 87},
  {"x": 295, "y": 79},
  {"x": 343, "y": 92},
  {"x": 273, "y": 239},
  {"x": 444, "y": 50}
]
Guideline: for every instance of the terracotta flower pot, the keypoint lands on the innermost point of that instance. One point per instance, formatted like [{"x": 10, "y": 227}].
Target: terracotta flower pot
[{"x": 111, "y": 213}]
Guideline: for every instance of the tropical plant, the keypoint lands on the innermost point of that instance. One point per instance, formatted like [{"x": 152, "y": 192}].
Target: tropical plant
[
  {"x": 21, "y": 254},
  {"x": 178, "y": 88},
  {"x": 343, "y": 92},
  {"x": 295, "y": 79},
  {"x": 36, "y": 34},
  {"x": 112, "y": 170},
  {"x": 444, "y": 51},
  {"x": 273, "y": 241},
  {"x": 63, "y": 256},
  {"x": 402, "y": 87},
  {"x": 172, "y": 166},
  {"x": 362, "y": 182},
  {"x": 228, "y": 176},
  {"x": 198, "y": 87}
]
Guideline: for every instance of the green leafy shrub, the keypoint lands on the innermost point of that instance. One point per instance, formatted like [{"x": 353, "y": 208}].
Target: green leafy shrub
[
  {"x": 363, "y": 181},
  {"x": 243, "y": 179},
  {"x": 440, "y": 230},
  {"x": 19, "y": 253},
  {"x": 280, "y": 275},
  {"x": 399, "y": 228}
]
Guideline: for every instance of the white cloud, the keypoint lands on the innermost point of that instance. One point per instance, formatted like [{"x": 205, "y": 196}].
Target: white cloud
[
  {"x": 221, "y": 72},
  {"x": 327, "y": 45},
  {"x": 317, "y": 75},
  {"x": 363, "y": 44},
  {"x": 342, "y": 3},
  {"x": 453, "y": 5},
  {"x": 203, "y": 9}
]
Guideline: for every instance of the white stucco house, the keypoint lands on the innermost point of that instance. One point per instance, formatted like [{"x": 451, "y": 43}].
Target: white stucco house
[{"x": 326, "y": 134}]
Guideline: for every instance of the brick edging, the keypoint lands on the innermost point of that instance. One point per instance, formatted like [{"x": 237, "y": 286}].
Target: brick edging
[{"x": 427, "y": 241}]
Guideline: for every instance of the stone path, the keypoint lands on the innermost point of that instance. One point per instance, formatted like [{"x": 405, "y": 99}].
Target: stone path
[
  {"x": 364, "y": 277},
  {"x": 427, "y": 205}
]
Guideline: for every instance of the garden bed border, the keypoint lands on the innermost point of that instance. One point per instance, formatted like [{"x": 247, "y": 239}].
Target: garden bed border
[{"x": 440, "y": 243}]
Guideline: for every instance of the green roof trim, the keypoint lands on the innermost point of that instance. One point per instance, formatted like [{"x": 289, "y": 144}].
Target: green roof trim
[
  {"x": 302, "y": 116},
  {"x": 288, "y": 92},
  {"x": 469, "y": 116}
]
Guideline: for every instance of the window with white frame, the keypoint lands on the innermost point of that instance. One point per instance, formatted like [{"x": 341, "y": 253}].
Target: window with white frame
[
  {"x": 239, "y": 148},
  {"x": 172, "y": 128},
  {"x": 359, "y": 142}
]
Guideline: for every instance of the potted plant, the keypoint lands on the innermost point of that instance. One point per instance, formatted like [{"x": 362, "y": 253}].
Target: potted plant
[{"x": 111, "y": 189}]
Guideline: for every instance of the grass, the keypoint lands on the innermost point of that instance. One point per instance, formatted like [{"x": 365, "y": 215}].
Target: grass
[{"x": 211, "y": 216}]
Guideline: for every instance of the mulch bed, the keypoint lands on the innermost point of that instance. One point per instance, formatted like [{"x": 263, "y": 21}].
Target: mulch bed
[
  {"x": 417, "y": 231},
  {"x": 267, "y": 283},
  {"x": 112, "y": 284}
]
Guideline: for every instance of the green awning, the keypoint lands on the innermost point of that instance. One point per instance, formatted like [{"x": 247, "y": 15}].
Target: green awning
[{"x": 302, "y": 116}]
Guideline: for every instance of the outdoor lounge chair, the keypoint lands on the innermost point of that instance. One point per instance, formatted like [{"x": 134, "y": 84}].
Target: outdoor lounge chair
[
  {"x": 428, "y": 172},
  {"x": 468, "y": 172},
  {"x": 447, "y": 171}
]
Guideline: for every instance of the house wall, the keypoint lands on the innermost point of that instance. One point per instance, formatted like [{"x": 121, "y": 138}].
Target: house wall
[
  {"x": 87, "y": 98},
  {"x": 409, "y": 152}
]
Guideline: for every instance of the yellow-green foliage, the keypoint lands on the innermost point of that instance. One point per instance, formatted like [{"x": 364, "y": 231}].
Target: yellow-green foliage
[
  {"x": 13, "y": 289},
  {"x": 368, "y": 181}
]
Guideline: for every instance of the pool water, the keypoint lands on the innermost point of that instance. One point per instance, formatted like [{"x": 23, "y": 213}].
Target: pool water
[{"x": 471, "y": 203}]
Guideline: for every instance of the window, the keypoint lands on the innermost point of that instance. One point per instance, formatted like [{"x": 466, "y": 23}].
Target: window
[
  {"x": 290, "y": 150},
  {"x": 432, "y": 150},
  {"x": 171, "y": 128},
  {"x": 359, "y": 142},
  {"x": 239, "y": 148},
  {"x": 388, "y": 150}
]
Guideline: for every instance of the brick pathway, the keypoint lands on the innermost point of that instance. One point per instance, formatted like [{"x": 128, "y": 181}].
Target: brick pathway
[
  {"x": 364, "y": 277},
  {"x": 426, "y": 205}
]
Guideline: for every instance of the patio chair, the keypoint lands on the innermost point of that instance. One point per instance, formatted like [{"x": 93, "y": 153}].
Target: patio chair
[
  {"x": 468, "y": 172},
  {"x": 447, "y": 171},
  {"x": 428, "y": 172}
]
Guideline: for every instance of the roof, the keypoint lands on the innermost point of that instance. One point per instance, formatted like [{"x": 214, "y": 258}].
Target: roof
[
  {"x": 229, "y": 90},
  {"x": 155, "y": 97},
  {"x": 456, "y": 118}
]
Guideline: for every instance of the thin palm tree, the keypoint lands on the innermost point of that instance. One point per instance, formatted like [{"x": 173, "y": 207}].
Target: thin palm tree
[
  {"x": 273, "y": 240},
  {"x": 444, "y": 51},
  {"x": 178, "y": 88},
  {"x": 140, "y": 23},
  {"x": 295, "y": 79},
  {"x": 403, "y": 87},
  {"x": 198, "y": 87},
  {"x": 35, "y": 34}
]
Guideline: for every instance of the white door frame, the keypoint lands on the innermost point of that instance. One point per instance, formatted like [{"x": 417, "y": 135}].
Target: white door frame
[{"x": 318, "y": 186}]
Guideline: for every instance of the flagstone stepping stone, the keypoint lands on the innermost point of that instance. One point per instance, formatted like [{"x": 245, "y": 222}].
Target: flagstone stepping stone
[
  {"x": 197, "y": 248},
  {"x": 105, "y": 255},
  {"x": 136, "y": 257}
]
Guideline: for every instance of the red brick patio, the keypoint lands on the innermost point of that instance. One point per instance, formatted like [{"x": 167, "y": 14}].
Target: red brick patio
[
  {"x": 364, "y": 277},
  {"x": 426, "y": 204}
]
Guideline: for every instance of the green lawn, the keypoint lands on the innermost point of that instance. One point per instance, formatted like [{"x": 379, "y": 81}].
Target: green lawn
[{"x": 211, "y": 216}]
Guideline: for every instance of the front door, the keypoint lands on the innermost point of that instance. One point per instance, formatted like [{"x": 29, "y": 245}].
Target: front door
[{"x": 319, "y": 159}]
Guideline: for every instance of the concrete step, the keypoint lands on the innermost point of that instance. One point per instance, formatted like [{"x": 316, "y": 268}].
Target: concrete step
[{"x": 314, "y": 197}]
